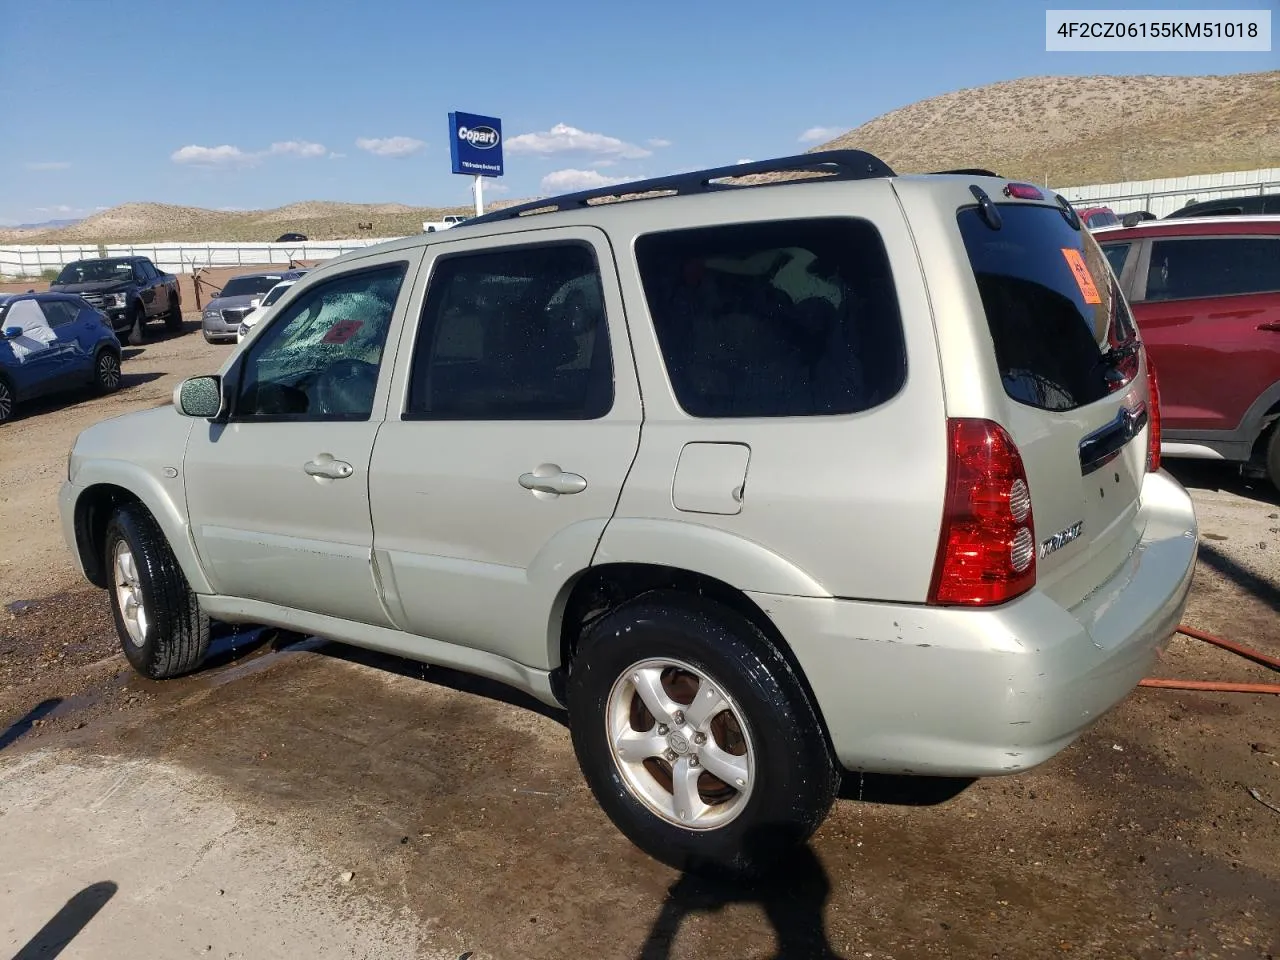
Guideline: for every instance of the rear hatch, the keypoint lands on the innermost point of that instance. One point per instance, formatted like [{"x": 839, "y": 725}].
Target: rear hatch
[{"x": 1073, "y": 373}]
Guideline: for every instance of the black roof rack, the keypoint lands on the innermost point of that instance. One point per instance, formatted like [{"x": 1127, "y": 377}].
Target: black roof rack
[
  {"x": 966, "y": 171},
  {"x": 838, "y": 164}
]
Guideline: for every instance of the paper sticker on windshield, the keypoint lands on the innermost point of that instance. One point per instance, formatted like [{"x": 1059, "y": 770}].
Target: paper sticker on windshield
[
  {"x": 342, "y": 331},
  {"x": 1081, "y": 272}
]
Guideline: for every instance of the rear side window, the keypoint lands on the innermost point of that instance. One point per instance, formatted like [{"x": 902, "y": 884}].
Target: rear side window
[
  {"x": 1062, "y": 333},
  {"x": 1213, "y": 267},
  {"x": 515, "y": 334},
  {"x": 792, "y": 318}
]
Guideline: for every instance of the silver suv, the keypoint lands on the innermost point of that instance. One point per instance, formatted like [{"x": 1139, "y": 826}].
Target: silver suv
[{"x": 761, "y": 482}]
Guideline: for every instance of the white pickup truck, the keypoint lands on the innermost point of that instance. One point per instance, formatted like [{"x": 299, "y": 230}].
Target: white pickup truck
[{"x": 450, "y": 220}]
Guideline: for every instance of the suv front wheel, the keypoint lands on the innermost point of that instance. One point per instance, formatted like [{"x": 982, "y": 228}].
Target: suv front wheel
[
  {"x": 696, "y": 737},
  {"x": 158, "y": 617}
]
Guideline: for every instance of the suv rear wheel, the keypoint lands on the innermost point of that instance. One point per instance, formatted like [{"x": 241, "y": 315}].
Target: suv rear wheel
[
  {"x": 158, "y": 617},
  {"x": 1273, "y": 456},
  {"x": 696, "y": 737}
]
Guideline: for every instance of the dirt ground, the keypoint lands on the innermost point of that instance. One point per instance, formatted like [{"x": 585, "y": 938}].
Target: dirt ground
[{"x": 302, "y": 798}]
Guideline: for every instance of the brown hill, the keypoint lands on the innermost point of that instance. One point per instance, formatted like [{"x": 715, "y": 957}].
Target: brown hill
[
  {"x": 317, "y": 219},
  {"x": 1074, "y": 131}
]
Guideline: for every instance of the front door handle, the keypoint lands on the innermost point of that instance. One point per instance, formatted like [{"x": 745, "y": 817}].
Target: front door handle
[
  {"x": 1272, "y": 325},
  {"x": 549, "y": 478},
  {"x": 324, "y": 466}
]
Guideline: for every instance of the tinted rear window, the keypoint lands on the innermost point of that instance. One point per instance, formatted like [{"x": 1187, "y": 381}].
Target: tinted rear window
[
  {"x": 789, "y": 318},
  {"x": 1062, "y": 333}
]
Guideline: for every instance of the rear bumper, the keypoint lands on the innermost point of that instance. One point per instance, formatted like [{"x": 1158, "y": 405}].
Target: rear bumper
[{"x": 951, "y": 692}]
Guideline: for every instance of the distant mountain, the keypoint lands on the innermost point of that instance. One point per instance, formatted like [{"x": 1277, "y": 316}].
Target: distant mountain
[{"x": 46, "y": 224}]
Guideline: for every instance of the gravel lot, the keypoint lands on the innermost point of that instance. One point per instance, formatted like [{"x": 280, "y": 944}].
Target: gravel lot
[{"x": 307, "y": 799}]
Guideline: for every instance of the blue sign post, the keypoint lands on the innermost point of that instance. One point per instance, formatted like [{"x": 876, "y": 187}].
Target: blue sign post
[{"x": 475, "y": 148}]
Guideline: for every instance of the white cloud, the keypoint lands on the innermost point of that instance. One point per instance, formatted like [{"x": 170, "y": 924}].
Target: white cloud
[
  {"x": 224, "y": 155},
  {"x": 334, "y": 155},
  {"x": 59, "y": 208},
  {"x": 563, "y": 138},
  {"x": 48, "y": 165},
  {"x": 658, "y": 142},
  {"x": 821, "y": 134},
  {"x": 567, "y": 181},
  {"x": 390, "y": 146},
  {"x": 746, "y": 160},
  {"x": 299, "y": 148}
]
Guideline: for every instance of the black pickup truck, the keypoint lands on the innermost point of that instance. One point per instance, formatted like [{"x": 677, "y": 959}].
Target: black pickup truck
[{"x": 129, "y": 290}]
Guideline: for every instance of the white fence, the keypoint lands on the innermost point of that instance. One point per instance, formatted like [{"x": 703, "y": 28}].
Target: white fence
[
  {"x": 30, "y": 260},
  {"x": 1164, "y": 196},
  {"x": 1158, "y": 196}
]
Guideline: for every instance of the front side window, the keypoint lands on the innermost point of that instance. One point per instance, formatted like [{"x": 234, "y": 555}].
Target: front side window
[
  {"x": 1190, "y": 268},
  {"x": 60, "y": 313},
  {"x": 788, "y": 318},
  {"x": 319, "y": 360},
  {"x": 1117, "y": 254},
  {"x": 515, "y": 334}
]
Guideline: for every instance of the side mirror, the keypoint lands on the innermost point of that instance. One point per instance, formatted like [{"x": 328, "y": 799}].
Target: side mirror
[
  {"x": 199, "y": 397},
  {"x": 12, "y": 333}
]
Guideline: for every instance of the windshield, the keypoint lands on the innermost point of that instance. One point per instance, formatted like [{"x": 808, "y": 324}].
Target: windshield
[
  {"x": 276, "y": 293},
  {"x": 95, "y": 271},
  {"x": 1062, "y": 332},
  {"x": 248, "y": 286}
]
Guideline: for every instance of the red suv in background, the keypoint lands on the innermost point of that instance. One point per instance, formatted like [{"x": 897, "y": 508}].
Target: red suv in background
[{"x": 1205, "y": 292}]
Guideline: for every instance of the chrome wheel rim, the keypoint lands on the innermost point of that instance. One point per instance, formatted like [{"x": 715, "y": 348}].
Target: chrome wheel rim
[
  {"x": 108, "y": 371},
  {"x": 680, "y": 743},
  {"x": 6, "y": 402},
  {"x": 133, "y": 610}
]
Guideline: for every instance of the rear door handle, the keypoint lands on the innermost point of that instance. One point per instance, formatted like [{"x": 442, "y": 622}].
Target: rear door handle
[
  {"x": 326, "y": 467},
  {"x": 549, "y": 478},
  {"x": 1273, "y": 326}
]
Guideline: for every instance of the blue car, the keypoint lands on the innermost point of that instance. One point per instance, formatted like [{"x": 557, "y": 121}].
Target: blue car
[{"x": 51, "y": 342}]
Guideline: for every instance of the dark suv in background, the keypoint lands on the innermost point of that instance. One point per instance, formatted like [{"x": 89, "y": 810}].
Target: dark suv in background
[{"x": 1205, "y": 292}]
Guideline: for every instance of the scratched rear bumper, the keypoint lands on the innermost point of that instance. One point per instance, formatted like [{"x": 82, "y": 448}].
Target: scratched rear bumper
[{"x": 928, "y": 690}]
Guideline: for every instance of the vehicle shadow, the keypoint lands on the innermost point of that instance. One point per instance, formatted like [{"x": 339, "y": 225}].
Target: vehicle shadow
[
  {"x": 24, "y": 724},
  {"x": 792, "y": 894},
  {"x": 1265, "y": 590},
  {"x": 65, "y": 925},
  {"x": 1222, "y": 477},
  {"x": 901, "y": 790},
  {"x": 75, "y": 397},
  {"x": 444, "y": 677}
]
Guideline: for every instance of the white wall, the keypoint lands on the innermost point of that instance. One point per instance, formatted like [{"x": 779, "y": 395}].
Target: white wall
[
  {"x": 29, "y": 260},
  {"x": 1166, "y": 195}
]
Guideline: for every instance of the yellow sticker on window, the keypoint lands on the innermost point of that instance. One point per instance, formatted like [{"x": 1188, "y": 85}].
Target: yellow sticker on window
[{"x": 1081, "y": 272}]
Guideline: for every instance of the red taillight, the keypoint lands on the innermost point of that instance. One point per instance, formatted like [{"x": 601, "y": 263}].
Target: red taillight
[
  {"x": 1023, "y": 191},
  {"x": 1153, "y": 417},
  {"x": 987, "y": 549}
]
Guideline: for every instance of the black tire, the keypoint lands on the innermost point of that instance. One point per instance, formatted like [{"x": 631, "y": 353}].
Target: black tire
[
  {"x": 137, "y": 320},
  {"x": 106, "y": 371},
  {"x": 1273, "y": 456},
  {"x": 173, "y": 318},
  {"x": 176, "y": 635},
  {"x": 7, "y": 400},
  {"x": 796, "y": 779}
]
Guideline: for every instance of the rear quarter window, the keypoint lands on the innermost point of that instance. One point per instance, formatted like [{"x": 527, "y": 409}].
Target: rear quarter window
[
  {"x": 1062, "y": 333},
  {"x": 791, "y": 318}
]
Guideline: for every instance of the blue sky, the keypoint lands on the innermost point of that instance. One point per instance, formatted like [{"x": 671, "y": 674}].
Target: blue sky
[{"x": 258, "y": 103}]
